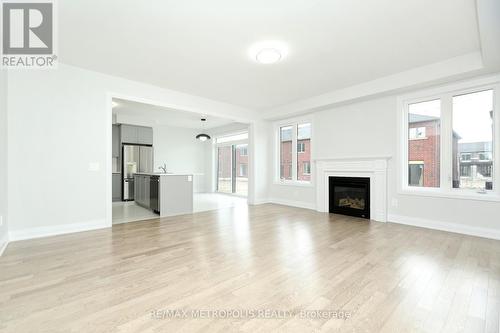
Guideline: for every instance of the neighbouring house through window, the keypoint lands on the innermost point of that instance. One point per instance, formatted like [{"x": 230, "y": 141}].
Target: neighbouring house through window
[
  {"x": 295, "y": 152},
  {"x": 424, "y": 143},
  {"x": 457, "y": 155}
]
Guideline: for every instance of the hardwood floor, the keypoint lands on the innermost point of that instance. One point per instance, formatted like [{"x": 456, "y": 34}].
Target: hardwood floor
[{"x": 387, "y": 277}]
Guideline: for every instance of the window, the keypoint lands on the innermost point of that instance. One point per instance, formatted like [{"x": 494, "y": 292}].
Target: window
[
  {"x": 243, "y": 170},
  {"x": 232, "y": 168},
  {"x": 416, "y": 133},
  {"x": 306, "y": 170},
  {"x": 304, "y": 154},
  {"x": 286, "y": 133},
  {"x": 472, "y": 116},
  {"x": 424, "y": 124},
  {"x": 449, "y": 145},
  {"x": 487, "y": 156},
  {"x": 295, "y": 152},
  {"x": 416, "y": 173}
]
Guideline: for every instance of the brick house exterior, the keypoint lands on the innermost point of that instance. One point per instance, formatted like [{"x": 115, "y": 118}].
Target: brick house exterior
[
  {"x": 224, "y": 163},
  {"x": 303, "y": 158},
  {"x": 241, "y": 153},
  {"x": 241, "y": 157},
  {"x": 224, "y": 168},
  {"x": 425, "y": 151}
]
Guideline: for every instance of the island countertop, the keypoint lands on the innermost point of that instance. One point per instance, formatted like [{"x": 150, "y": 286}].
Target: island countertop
[{"x": 162, "y": 174}]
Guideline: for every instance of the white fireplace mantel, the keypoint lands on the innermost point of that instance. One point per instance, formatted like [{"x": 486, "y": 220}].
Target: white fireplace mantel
[{"x": 373, "y": 167}]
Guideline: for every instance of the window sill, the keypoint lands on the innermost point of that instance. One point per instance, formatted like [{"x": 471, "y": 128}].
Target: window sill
[
  {"x": 461, "y": 195},
  {"x": 294, "y": 183}
]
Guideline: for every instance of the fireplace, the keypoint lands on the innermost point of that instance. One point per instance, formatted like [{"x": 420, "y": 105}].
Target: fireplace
[{"x": 349, "y": 196}]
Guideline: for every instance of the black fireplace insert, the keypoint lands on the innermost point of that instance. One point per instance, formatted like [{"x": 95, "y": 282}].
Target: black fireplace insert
[{"x": 349, "y": 196}]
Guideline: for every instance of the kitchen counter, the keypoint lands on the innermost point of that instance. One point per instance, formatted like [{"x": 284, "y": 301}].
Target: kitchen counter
[
  {"x": 168, "y": 196},
  {"x": 162, "y": 174}
]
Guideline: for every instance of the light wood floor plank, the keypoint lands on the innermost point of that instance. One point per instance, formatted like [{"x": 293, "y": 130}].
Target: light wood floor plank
[{"x": 388, "y": 277}]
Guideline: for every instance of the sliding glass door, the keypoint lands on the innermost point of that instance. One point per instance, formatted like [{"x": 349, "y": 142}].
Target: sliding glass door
[
  {"x": 224, "y": 169},
  {"x": 232, "y": 169},
  {"x": 240, "y": 181}
]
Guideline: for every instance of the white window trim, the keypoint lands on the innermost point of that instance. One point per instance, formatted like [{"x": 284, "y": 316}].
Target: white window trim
[
  {"x": 230, "y": 143},
  {"x": 292, "y": 122},
  {"x": 445, "y": 94}
]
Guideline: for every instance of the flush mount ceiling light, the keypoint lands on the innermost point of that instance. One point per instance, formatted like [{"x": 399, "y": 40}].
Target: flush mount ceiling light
[
  {"x": 203, "y": 136},
  {"x": 268, "y": 52}
]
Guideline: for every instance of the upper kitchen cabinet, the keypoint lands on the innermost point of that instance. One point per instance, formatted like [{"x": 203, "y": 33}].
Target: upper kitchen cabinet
[
  {"x": 128, "y": 134},
  {"x": 145, "y": 135},
  {"x": 136, "y": 134},
  {"x": 116, "y": 141}
]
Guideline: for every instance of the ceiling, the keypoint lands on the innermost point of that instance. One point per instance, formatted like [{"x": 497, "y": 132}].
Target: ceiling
[
  {"x": 200, "y": 47},
  {"x": 135, "y": 113}
]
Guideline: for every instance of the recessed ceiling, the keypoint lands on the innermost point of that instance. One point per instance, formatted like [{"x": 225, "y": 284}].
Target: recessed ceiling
[
  {"x": 135, "y": 113},
  {"x": 201, "y": 47}
]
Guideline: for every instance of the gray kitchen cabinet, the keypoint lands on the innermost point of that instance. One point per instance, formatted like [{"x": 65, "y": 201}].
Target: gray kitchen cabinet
[
  {"x": 138, "y": 193},
  {"x": 142, "y": 197},
  {"x": 146, "y": 199},
  {"x": 117, "y": 187},
  {"x": 128, "y": 134},
  {"x": 136, "y": 134},
  {"x": 145, "y": 135},
  {"x": 116, "y": 141}
]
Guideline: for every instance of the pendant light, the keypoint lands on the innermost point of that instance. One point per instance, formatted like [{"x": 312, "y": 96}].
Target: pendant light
[{"x": 203, "y": 136}]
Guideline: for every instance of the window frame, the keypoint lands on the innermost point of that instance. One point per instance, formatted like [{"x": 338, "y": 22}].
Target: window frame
[
  {"x": 294, "y": 122},
  {"x": 445, "y": 94}
]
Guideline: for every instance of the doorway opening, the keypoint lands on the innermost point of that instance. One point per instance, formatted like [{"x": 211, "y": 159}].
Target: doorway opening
[{"x": 154, "y": 147}]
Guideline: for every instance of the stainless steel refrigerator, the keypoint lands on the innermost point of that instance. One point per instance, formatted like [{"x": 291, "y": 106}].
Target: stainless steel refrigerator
[{"x": 136, "y": 158}]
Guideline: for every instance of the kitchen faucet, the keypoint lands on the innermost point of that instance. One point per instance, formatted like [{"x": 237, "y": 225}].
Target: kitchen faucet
[{"x": 163, "y": 168}]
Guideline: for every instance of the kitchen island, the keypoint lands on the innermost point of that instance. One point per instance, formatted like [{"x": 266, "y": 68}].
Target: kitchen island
[{"x": 168, "y": 194}]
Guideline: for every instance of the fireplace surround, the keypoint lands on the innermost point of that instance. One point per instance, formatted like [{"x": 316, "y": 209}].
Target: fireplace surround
[{"x": 374, "y": 168}]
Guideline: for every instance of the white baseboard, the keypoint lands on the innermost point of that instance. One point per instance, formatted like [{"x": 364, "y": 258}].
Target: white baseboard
[
  {"x": 299, "y": 204},
  {"x": 446, "y": 226},
  {"x": 3, "y": 244},
  {"x": 22, "y": 234}
]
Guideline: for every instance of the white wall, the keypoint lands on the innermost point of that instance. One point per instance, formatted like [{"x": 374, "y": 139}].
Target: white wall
[
  {"x": 260, "y": 176},
  {"x": 3, "y": 160},
  {"x": 370, "y": 128},
  {"x": 59, "y": 122},
  {"x": 182, "y": 152}
]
